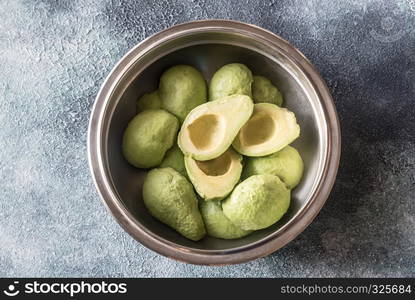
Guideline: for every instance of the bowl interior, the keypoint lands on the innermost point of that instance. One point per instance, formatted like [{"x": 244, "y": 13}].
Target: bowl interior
[{"x": 208, "y": 57}]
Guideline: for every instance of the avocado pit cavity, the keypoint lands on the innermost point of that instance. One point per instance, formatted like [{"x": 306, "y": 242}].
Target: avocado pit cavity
[
  {"x": 217, "y": 166},
  {"x": 259, "y": 129},
  {"x": 270, "y": 129},
  {"x": 205, "y": 131},
  {"x": 214, "y": 179}
]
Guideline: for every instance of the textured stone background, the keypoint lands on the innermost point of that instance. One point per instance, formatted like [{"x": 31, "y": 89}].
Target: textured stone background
[{"x": 54, "y": 55}]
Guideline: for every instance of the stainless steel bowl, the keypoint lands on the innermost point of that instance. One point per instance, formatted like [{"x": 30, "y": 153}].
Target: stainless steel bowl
[{"x": 208, "y": 45}]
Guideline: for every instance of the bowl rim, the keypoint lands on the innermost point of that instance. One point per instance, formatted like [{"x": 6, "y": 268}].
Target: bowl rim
[{"x": 268, "y": 244}]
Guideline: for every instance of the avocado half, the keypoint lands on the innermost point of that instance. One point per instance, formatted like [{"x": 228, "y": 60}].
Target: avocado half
[
  {"x": 210, "y": 128},
  {"x": 269, "y": 129},
  {"x": 214, "y": 179}
]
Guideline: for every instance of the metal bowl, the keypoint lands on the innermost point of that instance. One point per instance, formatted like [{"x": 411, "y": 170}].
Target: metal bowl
[{"x": 208, "y": 45}]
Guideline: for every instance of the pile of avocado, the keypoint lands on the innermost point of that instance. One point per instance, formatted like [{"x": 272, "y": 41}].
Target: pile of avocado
[{"x": 221, "y": 159}]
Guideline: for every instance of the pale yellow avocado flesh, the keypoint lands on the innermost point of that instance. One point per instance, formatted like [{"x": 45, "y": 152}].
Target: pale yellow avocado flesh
[
  {"x": 215, "y": 179},
  {"x": 269, "y": 129},
  {"x": 204, "y": 131},
  {"x": 210, "y": 128}
]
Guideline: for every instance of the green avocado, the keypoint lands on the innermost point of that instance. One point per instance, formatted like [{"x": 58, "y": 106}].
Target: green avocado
[
  {"x": 174, "y": 159},
  {"x": 263, "y": 91},
  {"x": 181, "y": 89},
  {"x": 148, "y": 136},
  {"x": 170, "y": 198},
  {"x": 231, "y": 79},
  {"x": 210, "y": 128},
  {"x": 214, "y": 179},
  {"x": 269, "y": 129},
  {"x": 217, "y": 224},
  {"x": 286, "y": 164},
  {"x": 148, "y": 101},
  {"x": 257, "y": 202}
]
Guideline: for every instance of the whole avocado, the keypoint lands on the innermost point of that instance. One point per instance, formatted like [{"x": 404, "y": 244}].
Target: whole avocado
[
  {"x": 148, "y": 136},
  {"x": 263, "y": 91},
  {"x": 148, "y": 101},
  {"x": 170, "y": 198},
  {"x": 257, "y": 202},
  {"x": 174, "y": 159},
  {"x": 181, "y": 89},
  {"x": 229, "y": 80},
  {"x": 217, "y": 224},
  {"x": 287, "y": 164}
]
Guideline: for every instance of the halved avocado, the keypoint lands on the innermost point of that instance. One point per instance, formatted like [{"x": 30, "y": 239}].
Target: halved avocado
[
  {"x": 269, "y": 129},
  {"x": 209, "y": 129},
  {"x": 214, "y": 179}
]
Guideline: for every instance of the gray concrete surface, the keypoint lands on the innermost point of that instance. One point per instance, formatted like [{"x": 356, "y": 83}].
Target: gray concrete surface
[{"x": 54, "y": 55}]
